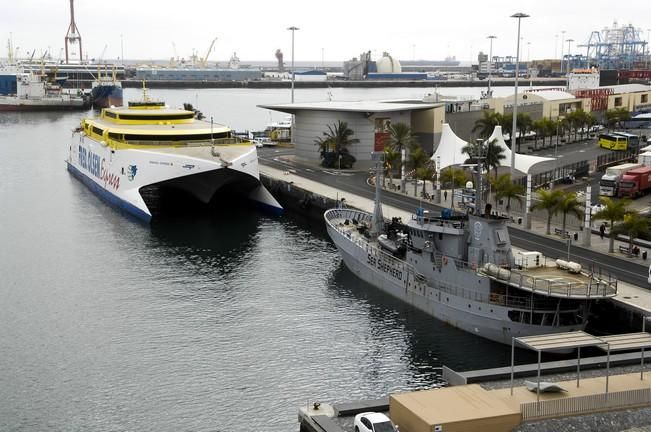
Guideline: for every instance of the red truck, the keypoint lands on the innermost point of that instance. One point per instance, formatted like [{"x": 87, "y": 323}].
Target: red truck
[{"x": 635, "y": 182}]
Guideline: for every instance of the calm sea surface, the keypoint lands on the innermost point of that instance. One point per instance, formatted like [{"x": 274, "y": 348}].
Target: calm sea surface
[{"x": 220, "y": 322}]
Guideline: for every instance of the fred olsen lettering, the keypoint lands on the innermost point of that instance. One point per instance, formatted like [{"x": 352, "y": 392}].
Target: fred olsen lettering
[{"x": 90, "y": 161}]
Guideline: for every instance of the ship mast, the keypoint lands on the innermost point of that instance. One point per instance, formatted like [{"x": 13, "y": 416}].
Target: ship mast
[
  {"x": 377, "y": 225},
  {"x": 73, "y": 36}
]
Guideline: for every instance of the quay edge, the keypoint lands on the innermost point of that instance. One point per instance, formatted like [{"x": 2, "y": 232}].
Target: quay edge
[{"x": 263, "y": 84}]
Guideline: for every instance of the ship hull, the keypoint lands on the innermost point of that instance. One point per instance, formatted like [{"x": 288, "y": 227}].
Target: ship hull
[
  {"x": 398, "y": 279},
  {"x": 104, "y": 96},
  {"x": 15, "y": 104},
  {"x": 120, "y": 177}
]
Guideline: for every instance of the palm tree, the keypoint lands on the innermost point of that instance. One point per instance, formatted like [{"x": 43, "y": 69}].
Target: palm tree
[
  {"x": 400, "y": 137},
  {"x": 539, "y": 127},
  {"x": 612, "y": 211},
  {"x": 633, "y": 225},
  {"x": 417, "y": 159},
  {"x": 611, "y": 118},
  {"x": 505, "y": 188},
  {"x": 425, "y": 173},
  {"x": 623, "y": 115},
  {"x": 390, "y": 157},
  {"x": 568, "y": 203},
  {"x": 455, "y": 177},
  {"x": 333, "y": 145},
  {"x": 523, "y": 126},
  {"x": 550, "y": 129},
  {"x": 486, "y": 124},
  {"x": 493, "y": 153},
  {"x": 548, "y": 200}
]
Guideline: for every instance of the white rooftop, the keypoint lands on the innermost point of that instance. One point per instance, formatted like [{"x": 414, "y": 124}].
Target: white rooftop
[
  {"x": 628, "y": 88},
  {"x": 552, "y": 95},
  {"x": 354, "y": 106}
]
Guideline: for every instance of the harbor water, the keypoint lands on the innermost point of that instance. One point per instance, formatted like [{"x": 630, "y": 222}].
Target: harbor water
[{"x": 226, "y": 320}]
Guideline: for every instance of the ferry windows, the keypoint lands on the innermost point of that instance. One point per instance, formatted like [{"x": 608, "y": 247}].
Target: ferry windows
[
  {"x": 98, "y": 131},
  {"x": 184, "y": 137},
  {"x": 110, "y": 114},
  {"x": 115, "y": 136},
  {"x": 184, "y": 116}
]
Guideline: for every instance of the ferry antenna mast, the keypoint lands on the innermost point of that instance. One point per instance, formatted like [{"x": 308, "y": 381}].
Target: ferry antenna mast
[{"x": 73, "y": 36}]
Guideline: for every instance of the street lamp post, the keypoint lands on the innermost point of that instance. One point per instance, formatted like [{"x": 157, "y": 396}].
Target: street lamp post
[
  {"x": 569, "y": 49},
  {"x": 519, "y": 16},
  {"x": 293, "y": 29},
  {"x": 490, "y": 64},
  {"x": 562, "y": 43}
]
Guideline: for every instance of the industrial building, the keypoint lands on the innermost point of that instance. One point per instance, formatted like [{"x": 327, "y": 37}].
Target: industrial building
[
  {"x": 542, "y": 103},
  {"x": 197, "y": 74}
]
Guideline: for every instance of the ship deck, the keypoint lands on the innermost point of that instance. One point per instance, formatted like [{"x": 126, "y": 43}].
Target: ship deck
[
  {"x": 553, "y": 281},
  {"x": 548, "y": 280}
]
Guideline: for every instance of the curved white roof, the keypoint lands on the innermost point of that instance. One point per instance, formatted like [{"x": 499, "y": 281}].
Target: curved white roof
[
  {"x": 523, "y": 163},
  {"x": 449, "y": 150}
]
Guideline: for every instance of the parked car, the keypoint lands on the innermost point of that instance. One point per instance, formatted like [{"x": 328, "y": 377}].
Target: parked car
[{"x": 373, "y": 422}]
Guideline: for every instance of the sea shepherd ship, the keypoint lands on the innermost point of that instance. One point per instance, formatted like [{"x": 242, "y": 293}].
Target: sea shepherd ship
[
  {"x": 132, "y": 155},
  {"x": 461, "y": 270}
]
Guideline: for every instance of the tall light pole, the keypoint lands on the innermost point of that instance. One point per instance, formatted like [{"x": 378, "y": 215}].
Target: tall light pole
[
  {"x": 293, "y": 29},
  {"x": 528, "y": 52},
  {"x": 569, "y": 49},
  {"x": 562, "y": 43},
  {"x": 648, "y": 48},
  {"x": 490, "y": 64},
  {"x": 519, "y": 16},
  {"x": 555, "y": 45}
]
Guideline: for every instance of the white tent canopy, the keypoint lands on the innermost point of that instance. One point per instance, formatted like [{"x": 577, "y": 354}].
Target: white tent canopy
[
  {"x": 449, "y": 151},
  {"x": 523, "y": 163}
]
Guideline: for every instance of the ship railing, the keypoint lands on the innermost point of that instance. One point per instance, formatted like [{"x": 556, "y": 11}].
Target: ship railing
[
  {"x": 516, "y": 302},
  {"x": 184, "y": 143},
  {"x": 594, "y": 287}
]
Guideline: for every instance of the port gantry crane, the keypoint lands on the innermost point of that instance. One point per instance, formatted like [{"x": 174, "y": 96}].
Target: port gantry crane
[{"x": 73, "y": 36}]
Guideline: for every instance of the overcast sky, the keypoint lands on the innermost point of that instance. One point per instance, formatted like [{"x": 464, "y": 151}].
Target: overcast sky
[{"x": 336, "y": 29}]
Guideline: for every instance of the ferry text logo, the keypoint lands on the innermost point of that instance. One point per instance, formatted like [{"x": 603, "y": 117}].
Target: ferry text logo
[{"x": 95, "y": 165}]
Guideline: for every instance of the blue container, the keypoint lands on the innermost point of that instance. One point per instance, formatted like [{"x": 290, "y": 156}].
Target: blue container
[{"x": 8, "y": 84}]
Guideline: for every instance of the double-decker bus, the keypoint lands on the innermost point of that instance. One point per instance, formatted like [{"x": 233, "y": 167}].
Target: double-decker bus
[{"x": 620, "y": 141}]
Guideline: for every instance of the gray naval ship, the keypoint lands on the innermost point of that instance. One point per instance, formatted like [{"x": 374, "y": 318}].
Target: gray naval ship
[{"x": 461, "y": 269}]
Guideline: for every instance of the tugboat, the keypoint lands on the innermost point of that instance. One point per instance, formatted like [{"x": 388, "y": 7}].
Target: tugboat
[
  {"x": 461, "y": 269},
  {"x": 130, "y": 156}
]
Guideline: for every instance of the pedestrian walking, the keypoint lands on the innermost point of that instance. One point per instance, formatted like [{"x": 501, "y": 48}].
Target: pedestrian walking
[
  {"x": 602, "y": 230},
  {"x": 445, "y": 196}
]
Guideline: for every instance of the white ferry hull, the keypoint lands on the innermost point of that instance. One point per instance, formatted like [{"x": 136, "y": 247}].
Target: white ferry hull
[
  {"x": 118, "y": 176},
  {"x": 397, "y": 279}
]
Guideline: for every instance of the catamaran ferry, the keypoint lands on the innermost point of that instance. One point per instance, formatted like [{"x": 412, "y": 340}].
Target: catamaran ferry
[{"x": 131, "y": 155}]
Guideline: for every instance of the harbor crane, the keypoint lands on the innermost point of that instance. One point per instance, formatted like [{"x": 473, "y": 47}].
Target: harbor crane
[
  {"x": 204, "y": 61},
  {"x": 73, "y": 36}
]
